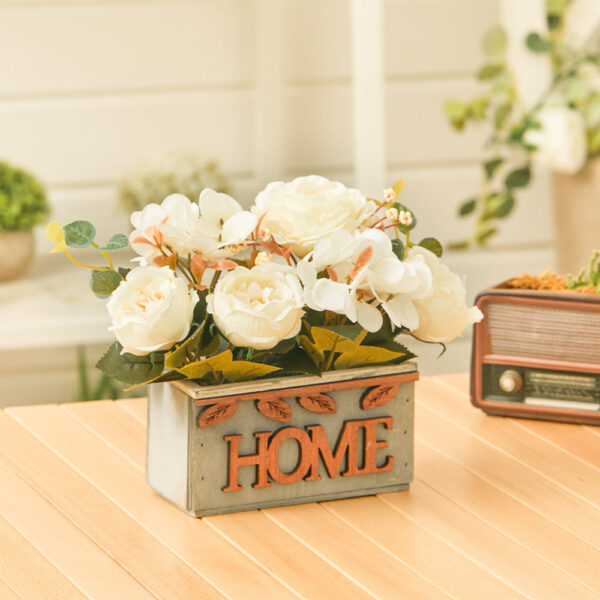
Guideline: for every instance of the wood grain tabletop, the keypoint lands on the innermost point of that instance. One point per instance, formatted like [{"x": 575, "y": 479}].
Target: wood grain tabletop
[{"x": 499, "y": 509}]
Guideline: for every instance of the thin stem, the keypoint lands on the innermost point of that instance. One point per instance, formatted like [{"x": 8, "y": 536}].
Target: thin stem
[
  {"x": 80, "y": 264},
  {"x": 330, "y": 357}
]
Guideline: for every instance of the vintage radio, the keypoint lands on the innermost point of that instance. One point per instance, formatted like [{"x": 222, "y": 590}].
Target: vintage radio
[{"x": 536, "y": 354}]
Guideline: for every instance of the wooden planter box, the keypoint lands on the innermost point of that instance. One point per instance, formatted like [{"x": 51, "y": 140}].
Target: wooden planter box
[
  {"x": 274, "y": 442},
  {"x": 536, "y": 354}
]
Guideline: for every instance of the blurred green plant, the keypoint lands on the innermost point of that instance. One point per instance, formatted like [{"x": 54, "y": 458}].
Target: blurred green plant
[
  {"x": 182, "y": 172},
  {"x": 23, "y": 201},
  {"x": 507, "y": 167},
  {"x": 587, "y": 278}
]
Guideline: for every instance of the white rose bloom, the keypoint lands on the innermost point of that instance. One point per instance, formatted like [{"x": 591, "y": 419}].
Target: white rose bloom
[
  {"x": 562, "y": 140},
  {"x": 151, "y": 310},
  {"x": 443, "y": 313},
  {"x": 364, "y": 273},
  {"x": 258, "y": 307},
  {"x": 303, "y": 210}
]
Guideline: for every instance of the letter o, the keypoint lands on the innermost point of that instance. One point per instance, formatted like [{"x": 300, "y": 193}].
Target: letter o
[{"x": 305, "y": 451}]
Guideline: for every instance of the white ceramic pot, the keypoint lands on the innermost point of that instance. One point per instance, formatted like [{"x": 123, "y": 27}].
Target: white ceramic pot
[{"x": 16, "y": 253}]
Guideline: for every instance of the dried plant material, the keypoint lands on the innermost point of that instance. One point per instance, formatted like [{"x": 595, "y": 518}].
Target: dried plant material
[{"x": 546, "y": 280}]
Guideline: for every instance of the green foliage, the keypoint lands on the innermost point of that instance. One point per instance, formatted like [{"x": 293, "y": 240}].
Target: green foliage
[
  {"x": 79, "y": 234},
  {"x": 494, "y": 42},
  {"x": 128, "y": 368},
  {"x": 490, "y": 167},
  {"x": 22, "y": 199},
  {"x": 104, "y": 283},
  {"x": 432, "y": 245},
  {"x": 518, "y": 178},
  {"x": 467, "y": 207},
  {"x": 536, "y": 43},
  {"x": 398, "y": 248},
  {"x": 116, "y": 242},
  {"x": 589, "y": 277}
]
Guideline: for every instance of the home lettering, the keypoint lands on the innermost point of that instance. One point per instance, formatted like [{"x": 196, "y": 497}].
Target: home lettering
[{"x": 312, "y": 444}]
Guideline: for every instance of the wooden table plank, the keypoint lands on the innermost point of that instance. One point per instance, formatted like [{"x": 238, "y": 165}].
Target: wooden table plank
[
  {"x": 138, "y": 407},
  {"x": 580, "y": 442},
  {"x": 576, "y": 476},
  {"x": 140, "y": 553},
  {"x": 514, "y": 564},
  {"x": 518, "y": 479},
  {"x": 359, "y": 559},
  {"x": 29, "y": 572},
  {"x": 71, "y": 551},
  {"x": 437, "y": 561},
  {"x": 194, "y": 543},
  {"x": 6, "y": 592},
  {"x": 502, "y": 511},
  {"x": 288, "y": 555}
]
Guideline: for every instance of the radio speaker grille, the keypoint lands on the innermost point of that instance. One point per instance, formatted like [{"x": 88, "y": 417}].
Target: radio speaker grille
[{"x": 544, "y": 332}]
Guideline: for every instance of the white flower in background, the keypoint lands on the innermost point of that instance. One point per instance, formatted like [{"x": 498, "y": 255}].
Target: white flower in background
[
  {"x": 562, "y": 140},
  {"x": 223, "y": 223},
  {"x": 363, "y": 274},
  {"x": 151, "y": 310},
  {"x": 443, "y": 313},
  {"x": 258, "y": 307},
  {"x": 301, "y": 211}
]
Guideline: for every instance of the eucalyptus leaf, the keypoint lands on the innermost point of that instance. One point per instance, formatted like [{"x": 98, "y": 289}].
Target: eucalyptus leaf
[
  {"x": 489, "y": 71},
  {"x": 494, "y": 41},
  {"x": 498, "y": 206},
  {"x": 491, "y": 166},
  {"x": 398, "y": 248},
  {"x": 79, "y": 234},
  {"x": 484, "y": 231},
  {"x": 502, "y": 113},
  {"x": 116, "y": 242},
  {"x": 432, "y": 245},
  {"x": 104, "y": 283},
  {"x": 457, "y": 113}
]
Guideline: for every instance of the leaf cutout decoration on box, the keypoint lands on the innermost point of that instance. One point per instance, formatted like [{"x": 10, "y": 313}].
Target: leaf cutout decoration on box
[
  {"x": 275, "y": 409},
  {"x": 217, "y": 413},
  {"x": 378, "y": 396},
  {"x": 318, "y": 403}
]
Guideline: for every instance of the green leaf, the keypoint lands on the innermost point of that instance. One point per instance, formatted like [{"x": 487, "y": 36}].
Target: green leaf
[
  {"x": 123, "y": 272},
  {"x": 536, "y": 43},
  {"x": 79, "y": 234},
  {"x": 398, "y": 248},
  {"x": 294, "y": 362},
  {"x": 129, "y": 368},
  {"x": 491, "y": 166},
  {"x": 163, "y": 378},
  {"x": 498, "y": 206},
  {"x": 477, "y": 108},
  {"x": 456, "y": 112},
  {"x": 489, "y": 71},
  {"x": 432, "y": 245},
  {"x": 116, "y": 242},
  {"x": 502, "y": 113},
  {"x": 494, "y": 41},
  {"x": 365, "y": 355},
  {"x": 467, "y": 207},
  {"x": 224, "y": 365},
  {"x": 483, "y": 232},
  {"x": 518, "y": 178},
  {"x": 557, "y": 7},
  {"x": 591, "y": 112},
  {"x": 192, "y": 349},
  {"x": 406, "y": 228},
  {"x": 554, "y": 22},
  {"x": 104, "y": 283}
]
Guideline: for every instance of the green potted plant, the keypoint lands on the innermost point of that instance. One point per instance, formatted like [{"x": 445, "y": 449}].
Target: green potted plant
[
  {"x": 561, "y": 130},
  {"x": 23, "y": 205}
]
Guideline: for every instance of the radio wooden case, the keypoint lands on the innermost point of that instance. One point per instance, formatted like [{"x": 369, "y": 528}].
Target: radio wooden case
[{"x": 536, "y": 354}]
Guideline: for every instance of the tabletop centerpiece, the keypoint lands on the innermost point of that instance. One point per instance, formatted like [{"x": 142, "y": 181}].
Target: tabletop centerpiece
[{"x": 230, "y": 315}]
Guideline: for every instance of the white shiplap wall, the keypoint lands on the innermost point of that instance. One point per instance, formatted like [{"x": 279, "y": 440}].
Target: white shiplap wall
[{"x": 87, "y": 87}]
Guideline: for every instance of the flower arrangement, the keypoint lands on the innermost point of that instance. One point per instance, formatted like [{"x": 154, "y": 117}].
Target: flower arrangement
[
  {"x": 23, "y": 202},
  {"x": 562, "y": 128},
  {"x": 308, "y": 280},
  {"x": 181, "y": 171}
]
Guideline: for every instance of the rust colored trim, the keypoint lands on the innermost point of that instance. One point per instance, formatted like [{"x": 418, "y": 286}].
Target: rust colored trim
[
  {"x": 538, "y": 363},
  {"x": 322, "y": 388}
]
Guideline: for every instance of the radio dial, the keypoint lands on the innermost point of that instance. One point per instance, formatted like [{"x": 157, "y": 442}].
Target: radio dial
[{"x": 510, "y": 381}]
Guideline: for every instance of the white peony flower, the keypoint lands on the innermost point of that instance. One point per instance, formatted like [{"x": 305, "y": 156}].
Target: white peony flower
[
  {"x": 173, "y": 224},
  {"x": 562, "y": 140},
  {"x": 212, "y": 228},
  {"x": 151, "y": 310},
  {"x": 258, "y": 307},
  {"x": 301, "y": 211},
  {"x": 443, "y": 313},
  {"x": 363, "y": 274},
  {"x": 223, "y": 223}
]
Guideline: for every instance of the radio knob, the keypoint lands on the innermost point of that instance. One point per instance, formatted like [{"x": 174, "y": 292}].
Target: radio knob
[{"x": 510, "y": 381}]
